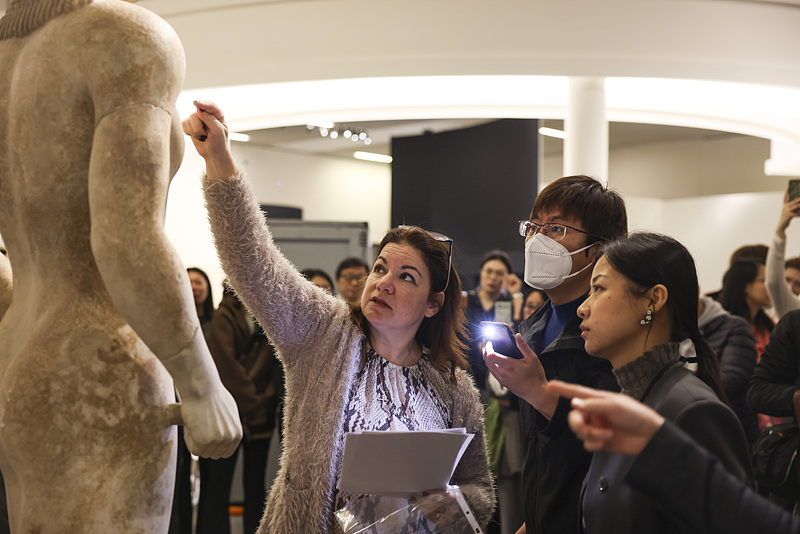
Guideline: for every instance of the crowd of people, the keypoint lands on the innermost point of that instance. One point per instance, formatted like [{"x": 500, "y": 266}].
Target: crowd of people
[
  {"x": 596, "y": 308},
  {"x": 628, "y": 389}
]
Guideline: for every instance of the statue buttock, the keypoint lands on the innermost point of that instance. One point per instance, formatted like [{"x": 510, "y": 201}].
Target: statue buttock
[{"x": 101, "y": 318}]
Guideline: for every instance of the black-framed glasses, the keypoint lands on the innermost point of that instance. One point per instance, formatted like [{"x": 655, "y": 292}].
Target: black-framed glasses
[
  {"x": 443, "y": 239},
  {"x": 554, "y": 231}
]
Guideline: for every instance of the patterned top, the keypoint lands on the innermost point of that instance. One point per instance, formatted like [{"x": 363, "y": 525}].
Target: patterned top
[{"x": 385, "y": 396}]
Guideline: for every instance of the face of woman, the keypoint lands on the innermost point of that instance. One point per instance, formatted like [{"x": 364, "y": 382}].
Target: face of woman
[
  {"x": 199, "y": 287},
  {"x": 756, "y": 291},
  {"x": 397, "y": 292},
  {"x": 493, "y": 276},
  {"x": 611, "y": 316},
  {"x": 532, "y": 303}
]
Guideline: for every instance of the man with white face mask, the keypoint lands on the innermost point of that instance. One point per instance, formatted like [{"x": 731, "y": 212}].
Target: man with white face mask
[{"x": 569, "y": 223}]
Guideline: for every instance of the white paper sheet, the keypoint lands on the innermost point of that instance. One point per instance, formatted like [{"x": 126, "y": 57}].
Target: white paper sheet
[{"x": 400, "y": 463}]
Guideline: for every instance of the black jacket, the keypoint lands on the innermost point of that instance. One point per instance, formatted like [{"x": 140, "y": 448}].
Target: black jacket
[
  {"x": 732, "y": 340},
  {"x": 697, "y": 491},
  {"x": 777, "y": 375},
  {"x": 611, "y": 505},
  {"x": 555, "y": 461}
]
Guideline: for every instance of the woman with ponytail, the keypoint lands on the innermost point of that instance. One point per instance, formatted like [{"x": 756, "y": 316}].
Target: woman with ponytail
[{"x": 642, "y": 304}]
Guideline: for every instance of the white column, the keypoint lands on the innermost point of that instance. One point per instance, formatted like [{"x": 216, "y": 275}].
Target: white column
[{"x": 586, "y": 145}]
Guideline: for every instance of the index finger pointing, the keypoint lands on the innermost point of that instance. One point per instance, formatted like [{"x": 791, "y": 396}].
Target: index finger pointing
[{"x": 572, "y": 391}]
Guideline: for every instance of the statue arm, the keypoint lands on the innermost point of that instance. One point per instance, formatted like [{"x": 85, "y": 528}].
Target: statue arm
[{"x": 130, "y": 169}]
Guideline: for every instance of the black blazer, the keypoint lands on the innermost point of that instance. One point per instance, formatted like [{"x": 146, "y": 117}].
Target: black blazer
[
  {"x": 555, "y": 460},
  {"x": 609, "y": 504},
  {"x": 696, "y": 491}
]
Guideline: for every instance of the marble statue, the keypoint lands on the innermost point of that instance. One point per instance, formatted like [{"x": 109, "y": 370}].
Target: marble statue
[{"x": 101, "y": 319}]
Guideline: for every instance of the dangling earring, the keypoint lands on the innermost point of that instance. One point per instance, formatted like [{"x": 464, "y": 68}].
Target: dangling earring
[{"x": 648, "y": 317}]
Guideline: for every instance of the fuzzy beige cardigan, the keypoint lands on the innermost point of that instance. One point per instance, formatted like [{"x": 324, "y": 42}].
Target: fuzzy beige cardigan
[{"x": 321, "y": 351}]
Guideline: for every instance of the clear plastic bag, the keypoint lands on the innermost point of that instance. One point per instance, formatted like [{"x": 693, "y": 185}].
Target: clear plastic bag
[{"x": 443, "y": 512}]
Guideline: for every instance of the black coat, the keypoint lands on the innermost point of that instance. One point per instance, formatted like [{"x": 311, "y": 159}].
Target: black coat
[
  {"x": 555, "y": 461},
  {"x": 611, "y": 505},
  {"x": 777, "y": 375},
  {"x": 694, "y": 488},
  {"x": 732, "y": 340}
]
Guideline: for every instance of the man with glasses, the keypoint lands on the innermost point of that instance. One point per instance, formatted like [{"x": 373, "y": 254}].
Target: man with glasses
[
  {"x": 349, "y": 274},
  {"x": 571, "y": 219}
]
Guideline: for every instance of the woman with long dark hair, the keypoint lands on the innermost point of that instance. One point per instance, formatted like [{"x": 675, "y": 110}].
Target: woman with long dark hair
[
  {"x": 642, "y": 304},
  {"x": 744, "y": 293},
  {"x": 393, "y": 361}
]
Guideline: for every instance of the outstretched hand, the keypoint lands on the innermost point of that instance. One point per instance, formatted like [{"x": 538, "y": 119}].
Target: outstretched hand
[
  {"x": 209, "y": 133},
  {"x": 524, "y": 377},
  {"x": 608, "y": 421}
]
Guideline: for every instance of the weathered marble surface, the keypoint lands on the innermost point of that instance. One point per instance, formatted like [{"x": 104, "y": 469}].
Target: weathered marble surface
[{"x": 102, "y": 311}]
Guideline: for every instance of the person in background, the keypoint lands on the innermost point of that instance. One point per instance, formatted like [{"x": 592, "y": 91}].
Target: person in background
[
  {"x": 350, "y": 276},
  {"x": 203, "y": 297},
  {"x": 745, "y": 252},
  {"x": 571, "y": 219},
  {"x": 744, "y": 293},
  {"x": 393, "y": 361},
  {"x": 733, "y": 342},
  {"x": 498, "y": 297},
  {"x": 642, "y": 305},
  {"x": 532, "y": 301},
  {"x": 671, "y": 469},
  {"x": 319, "y": 278},
  {"x": 783, "y": 276},
  {"x": 245, "y": 360},
  {"x": 181, "y": 520}
]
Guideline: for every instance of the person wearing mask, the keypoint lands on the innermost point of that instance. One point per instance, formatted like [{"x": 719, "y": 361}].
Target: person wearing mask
[
  {"x": 350, "y": 276},
  {"x": 393, "y": 361},
  {"x": 571, "y": 219}
]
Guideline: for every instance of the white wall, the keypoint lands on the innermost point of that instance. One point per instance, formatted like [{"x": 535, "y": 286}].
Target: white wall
[
  {"x": 338, "y": 189},
  {"x": 327, "y": 188}
]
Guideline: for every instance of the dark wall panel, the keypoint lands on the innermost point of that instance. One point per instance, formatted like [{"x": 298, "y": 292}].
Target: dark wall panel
[{"x": 472, "y": 184}]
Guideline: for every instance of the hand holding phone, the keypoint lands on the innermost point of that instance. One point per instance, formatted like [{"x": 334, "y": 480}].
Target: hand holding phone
[{"x": 502, "y": 338}]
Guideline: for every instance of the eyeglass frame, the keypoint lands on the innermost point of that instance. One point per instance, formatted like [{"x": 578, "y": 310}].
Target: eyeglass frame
[
  {"x": 442, "y": 239},
  {"x": 528, "y": 223}
]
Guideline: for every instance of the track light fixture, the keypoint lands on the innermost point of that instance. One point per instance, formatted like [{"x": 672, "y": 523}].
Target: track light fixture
[{"x": 334, "y": 131}]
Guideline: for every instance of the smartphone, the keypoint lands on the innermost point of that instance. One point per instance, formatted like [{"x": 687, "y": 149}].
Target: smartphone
[
  {"x": 794, "y": 189},
  {"x": 502, "y": 338}
]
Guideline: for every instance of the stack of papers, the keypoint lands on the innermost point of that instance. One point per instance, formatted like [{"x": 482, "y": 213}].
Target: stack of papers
[{"x": 401, "y": 463}]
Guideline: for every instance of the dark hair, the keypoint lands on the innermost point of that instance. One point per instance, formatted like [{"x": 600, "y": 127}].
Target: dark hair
[
  {"x": 348, "y": 263},
  {"x": 208, "y": 304},
  {"x": 500, "y": 256},
  {"x": 531, "y": 291},
  {"x": 749, "y": 252},
  {"x": 648, "y": 259},
  {"x": 311, "y": 273},
  {"x": 600, "y": 210},
  {"x": 733, "y": 297},
  {"x": 443, "y": 333},
  {"x": 792, "y": 263}
]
